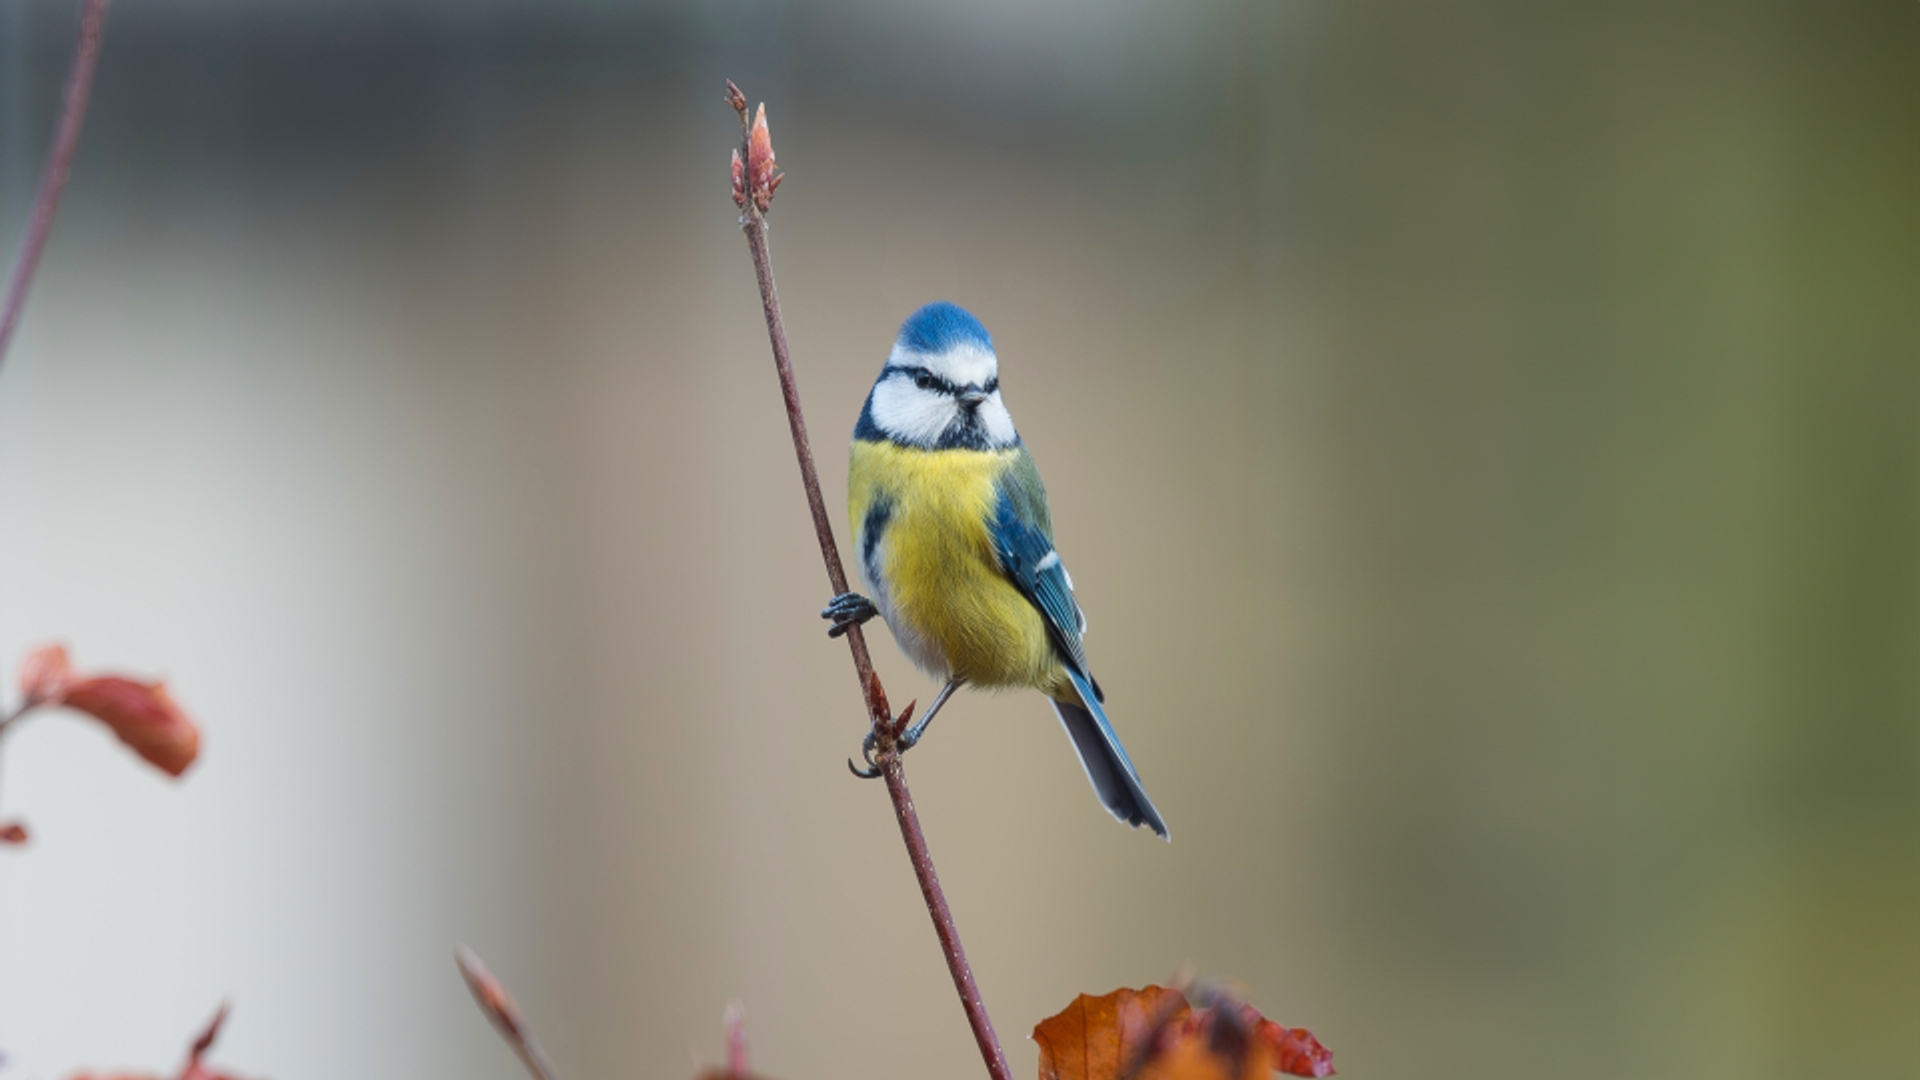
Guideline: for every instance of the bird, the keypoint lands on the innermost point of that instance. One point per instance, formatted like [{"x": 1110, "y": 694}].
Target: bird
[{"x": 955, "y": 543}]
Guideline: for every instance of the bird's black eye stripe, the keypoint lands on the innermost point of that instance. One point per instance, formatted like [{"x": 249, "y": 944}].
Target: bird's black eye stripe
[{"x": 927, "y": 380}]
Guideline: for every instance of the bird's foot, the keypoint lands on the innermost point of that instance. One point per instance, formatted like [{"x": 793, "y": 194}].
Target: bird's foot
[
  {"x": 873, "y": 770},
  {"x": 910, "y": 738},
  {"x": 901, "y": 744},
  {"x": 848, "y": 610}
]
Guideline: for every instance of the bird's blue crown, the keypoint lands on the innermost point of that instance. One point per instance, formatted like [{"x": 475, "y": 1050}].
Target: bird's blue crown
[{"x": 941, "y": 326}]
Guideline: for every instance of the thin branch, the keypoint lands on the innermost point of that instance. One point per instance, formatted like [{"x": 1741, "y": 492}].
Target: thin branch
[
  {"x": 500, "y": 1008},
  {"x": 86, "y": 55},
  {"x": 754, "y": 184},
  {"x": 14, "y": 717}
]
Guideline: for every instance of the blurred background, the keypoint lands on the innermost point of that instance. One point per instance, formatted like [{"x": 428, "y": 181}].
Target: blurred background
[{"x": 1486, "y": 437}]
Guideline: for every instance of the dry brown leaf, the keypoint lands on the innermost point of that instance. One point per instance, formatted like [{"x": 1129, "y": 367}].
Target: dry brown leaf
[
  {"x": 1096, "y": 1037},
  {"x": 1154, "y": 1034}
]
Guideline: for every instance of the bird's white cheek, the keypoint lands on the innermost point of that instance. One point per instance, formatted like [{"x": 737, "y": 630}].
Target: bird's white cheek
[
  {"x": 911, "y": 414},
  {"x": 997, "y": 421}
]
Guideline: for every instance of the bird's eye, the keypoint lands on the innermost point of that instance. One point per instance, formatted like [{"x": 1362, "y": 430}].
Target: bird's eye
[
  {"x": 993, "y": 385},
  {"x": 924, "y": 381}
]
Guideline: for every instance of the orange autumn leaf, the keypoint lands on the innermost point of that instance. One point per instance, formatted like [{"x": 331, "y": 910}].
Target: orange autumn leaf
[
  {"x": 13, "y": 833},
  {"x": 1193, "y": 1059},
  {"x": 1154, "y": 1034},
  {"x": 1096, "y": 1037}
]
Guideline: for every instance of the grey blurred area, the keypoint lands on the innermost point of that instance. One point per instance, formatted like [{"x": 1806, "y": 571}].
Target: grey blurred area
[{"x": 1484, "y": 436}]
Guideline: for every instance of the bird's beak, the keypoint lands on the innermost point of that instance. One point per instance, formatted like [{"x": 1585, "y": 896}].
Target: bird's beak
[{"x": 971, "y": 397}]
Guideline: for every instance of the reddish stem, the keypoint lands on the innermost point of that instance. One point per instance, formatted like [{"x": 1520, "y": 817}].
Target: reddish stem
[
  {"x": 86, "y": 55},
  {"x": 886, "y": 730}
]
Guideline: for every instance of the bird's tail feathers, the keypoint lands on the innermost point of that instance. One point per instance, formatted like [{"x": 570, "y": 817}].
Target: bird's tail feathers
[{"x": 1105, "y": 760}]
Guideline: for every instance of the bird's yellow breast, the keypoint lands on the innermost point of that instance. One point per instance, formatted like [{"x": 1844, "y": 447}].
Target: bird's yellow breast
[{"x": 930, "y": 563}]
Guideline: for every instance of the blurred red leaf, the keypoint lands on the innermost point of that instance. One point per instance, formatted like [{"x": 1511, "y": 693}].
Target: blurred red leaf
[
  {"x": 13, "y": 832},
  {"x": 1295, "y": 1050},
  {"x": 1154, "y": 1034},
  {"x": 44, "y": 674},
  {"x": 143, "y": 715},
  {"x": 194, "y": 1069}
]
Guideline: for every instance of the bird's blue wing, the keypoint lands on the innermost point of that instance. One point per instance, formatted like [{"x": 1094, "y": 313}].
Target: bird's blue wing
[
  {"x": 1023, "y": 539},
  {"x": 1028, "y": 559}
]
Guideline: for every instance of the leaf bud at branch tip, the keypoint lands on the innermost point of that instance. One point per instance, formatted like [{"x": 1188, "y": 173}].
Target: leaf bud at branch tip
[
  {"x": 205, "y": 1042},
  {"x": 755, "y": 177},
  {"x": 735, "y": 1022},
  {"x": 45, "y": 673},
  {"x": 762, "y": 179}
]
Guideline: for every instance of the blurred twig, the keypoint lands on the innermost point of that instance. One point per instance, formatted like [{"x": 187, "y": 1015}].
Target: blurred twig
[
  {"x": 12, "y": 718},
  {"x": 500, "y": 1008},
  {"x": 86, "y": 54},
  {"x": 754, "y": 184},
  {"x": 16, "y": 715}
]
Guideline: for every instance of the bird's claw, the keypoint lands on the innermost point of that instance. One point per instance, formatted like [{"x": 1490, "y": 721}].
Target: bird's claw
[
  {"x": 872, "y": 771},
  {"x": 902, "y": 742},
  {"x": 848, "y": 610}
]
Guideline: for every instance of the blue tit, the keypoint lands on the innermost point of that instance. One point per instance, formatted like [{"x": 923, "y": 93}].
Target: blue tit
[{"x": 956, "y": 545}]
